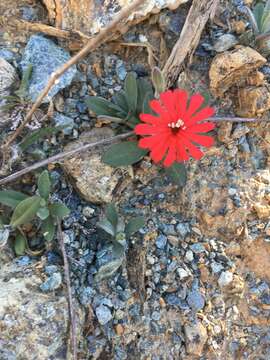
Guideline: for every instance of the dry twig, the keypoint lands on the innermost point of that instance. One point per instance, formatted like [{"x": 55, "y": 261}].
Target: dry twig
[
  {"x": 196, "y": 20},
  {"x": 72, "y": 313},
  {"x": 103, "y": 36}
]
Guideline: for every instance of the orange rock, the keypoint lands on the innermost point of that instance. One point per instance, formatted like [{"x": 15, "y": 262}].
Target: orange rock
[
  {"x": 162, "y": 302},
  {"x": 256, "y": 79},
  {"x": 239, "y": 26},
  {"x": 252, "y": 101},
  {"x": 119, "y": 329}
]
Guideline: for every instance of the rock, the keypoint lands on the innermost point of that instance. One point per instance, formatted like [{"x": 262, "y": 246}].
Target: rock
[
  {"x": 195, "y": 338},
  {"x": 263, "y": 211},
  {"x": 45, "y": 57},
  {"x": 225, "y": 42},
  {"x": 189, "y": 256},
  {"x": 183, "y": 274},
  {"x": 161, "y": 242},
  {"x": 255, "y": 79},
  {"x": 225, "y": 278},
  {"x": 239, "y": 26},
  {"x": 52, "y": 283},
  {"x": 197, "y": 248},
  {"x": 195, "y": 300},
  {"x": 103, "y": 314},
  {"x": 64, "y": 121},
  {"x": 252, "y": 101},
  {"x": 94, "y": 180},
  {"x": 224, "y": 132},
  {"x": 183, "y": 229},
  {"x": 232, "y": 67},
  {"x": 34, "y": 325},
  {"x": 8, "y": 76},
  {"x": 239, "y": 131}
]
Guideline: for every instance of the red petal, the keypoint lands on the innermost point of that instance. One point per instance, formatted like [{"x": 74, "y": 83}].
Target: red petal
[
  {"x": 157, "y": 107},
  {"x": 182, "y": 154},
  {"x": 150, "y": 119},
  {"x": 168, "y": 101},
  {"x": 193, "y": 150},
  {"x": 204, "y": 114},
  {"x": 206, "y": 141},
  {"x": 158, "y": 152},
  {"x": 201, "y": 128},
  {"x": 171, "y": 155},
  {"x": 145, "y": 129},
  {"x": 150, "y": 141},
  {"x": 195, "y": 103},
  {"x": 180, "y": 98}
]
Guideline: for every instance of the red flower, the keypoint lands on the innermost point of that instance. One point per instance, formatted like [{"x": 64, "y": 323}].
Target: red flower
[{"x": 171, "y": 134}]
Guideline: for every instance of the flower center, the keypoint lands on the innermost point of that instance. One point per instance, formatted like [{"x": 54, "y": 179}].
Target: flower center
[{"x": 176, "y": 126}]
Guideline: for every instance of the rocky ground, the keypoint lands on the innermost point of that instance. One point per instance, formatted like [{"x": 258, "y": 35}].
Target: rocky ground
[{"x": 195, "y": 283}]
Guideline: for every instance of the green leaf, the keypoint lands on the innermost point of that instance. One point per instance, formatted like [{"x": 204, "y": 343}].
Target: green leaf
[
  {"x": 11, "y": 198},
  {"x": 178, "y": 174},
  {"x": 120, "y": 100},
  {"x": 134, "y": 225},
  {"x": 43, "y": 213},
  {"x": 108, "y": 269},
  {"x": 25, "y": 211},
  {"x": 58, "y": 210},
  {"x": 38, "y": 135},
  {"x": 111, "y": 215},
  {"x": 20, "y": 244},
  {"x": 44, "y": 184},
  {"x": 131, "y": 91},
  {"x": 124, "y": 153},
  {"x": 144, "y": 88},
  {"x": 48, "y": 229},
  {"x": 102, "y": 106},
  {"x": 22, "y": 91},
  {"x": 258, "y": 15},
  {"x": 158, "y": 81},
  {"x": 146, "y": 107},
  {"x": 107, "y": 226}
]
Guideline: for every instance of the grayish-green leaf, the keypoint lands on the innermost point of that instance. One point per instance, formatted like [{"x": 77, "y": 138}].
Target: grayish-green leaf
[
  {"x": 111, "y": 214},
  {"x": 25, "y": 211},
  {"x": 44, "y": 184},
  {"x": 258, "y": 15},
  {"x": 48, "y": 228},
  {"x": 108, "y": 270},
  {"x": 158, "y": 81},
  {"x": 178, "y": 174},
  {"x": 120, "y": 100},
  {"x": 134, "y": 225},
  {"x": 107, "y": 226},
  {"x": 102, "y": 106},
  {"x": 11, "y": 198},
  {"x": 38, "y": 135},
  {"x": 43, "y": 213},
  {"x": 20, "y": 244},
  {"x": 124, "y": 153},
  {"x": 58, "y": 210},
  {"x": 22, "y": 91},
  {"x": 131, "y": 91},
  {"x": 146, "y": 107}
]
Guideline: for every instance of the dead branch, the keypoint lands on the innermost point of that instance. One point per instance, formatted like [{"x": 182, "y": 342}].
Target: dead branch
[
  {"x": 62, "y": 155},
  {"x": 103, "y": 36},
  {"x": 233, "y": 119},
  {"x": 72, "y": 313},
  {"x": 20, "y": 25},
  {"x": 196, "y": 20}
]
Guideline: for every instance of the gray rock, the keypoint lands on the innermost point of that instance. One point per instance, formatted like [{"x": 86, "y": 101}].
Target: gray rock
[
  {"x": 197, "y": 248},
  {"x": 161, "y": 242},
  {"x": 195, "y": 300},
  {"x": 64, "y": 121},
  {"x": 195, "y": 336},
  {"x": 8, "y": 76},
  {"x": 45, "y": 57},
  {"x": 183, "y": 229},
  {"x": 121, "y": 70},
  {"x": 225, "y": 278},
  {"x": 182, "y": 273},
  {"x": 103, "y": 314},
  {"x": 189, "y": 256},
  {"x": 216, "y": 267},
  {"x": 52, "y": 283},
  {"x": 225, "y": 42}
]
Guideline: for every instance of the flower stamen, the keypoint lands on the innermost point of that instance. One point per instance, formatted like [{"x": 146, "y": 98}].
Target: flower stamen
[{"x": 179, "y": 124}]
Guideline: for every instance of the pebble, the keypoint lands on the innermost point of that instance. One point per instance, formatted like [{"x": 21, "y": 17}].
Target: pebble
[
  {"x": 189, "y": 256},
  {"x": 52, "y": 283},
  {"x": 88, "y": 211},
  {"x": 197, "y": 248},
  {"x": 225, "y": 42},
  {"x": 64, "y": 122},
  {"x": 225, "y": 278},
  {"x": 183, "y": 229},
  {"x": 182, "y": 273},
  {"x": 195, "y": 300},
  {"x": 103, "y": 314},
  {"x": 161, "y": 242}
]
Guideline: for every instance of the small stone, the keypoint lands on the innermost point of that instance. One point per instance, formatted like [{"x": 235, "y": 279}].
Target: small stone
[
  {"x": 119, "y": 329},
  {"x": 189, "y": 256},
  {"x": 183, "y": 274},
  {"x": 156, "y": 315},
  {"x": 239, "y": 26},
  {"x": 183, "y": 229},
  {"x": 232, "y": 67},
  {"x": 225, "y": 278},
  {"x": 195, "y": 300},
  {"x": 239, "y": 131},
  {"x": 45, "y": 57},
  {"x": 216, "y": 267},
  {"x": 225, "y": 42},
  {"x": 8, "y": 76},
  {"x": 52, "y": 283},
  {"x": 162, "y": 302},
  {"x": 263, "y": 211},
  {"x": 50, "y": 269},
  {"x": 173, "y": 240},
  {"x": 64, "y": 122},
  {"x": 121, "y": 70},
  {"x": 224, "y": 132},
  {"x": 88, "y": 212},
  {"x": 197, "y": 248},
  {"x": 161, "y": 242},
  {"x": 195, "y": 336},
  {"x": 252, "y": 101},
  {"x": 103, "y": 314}
]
